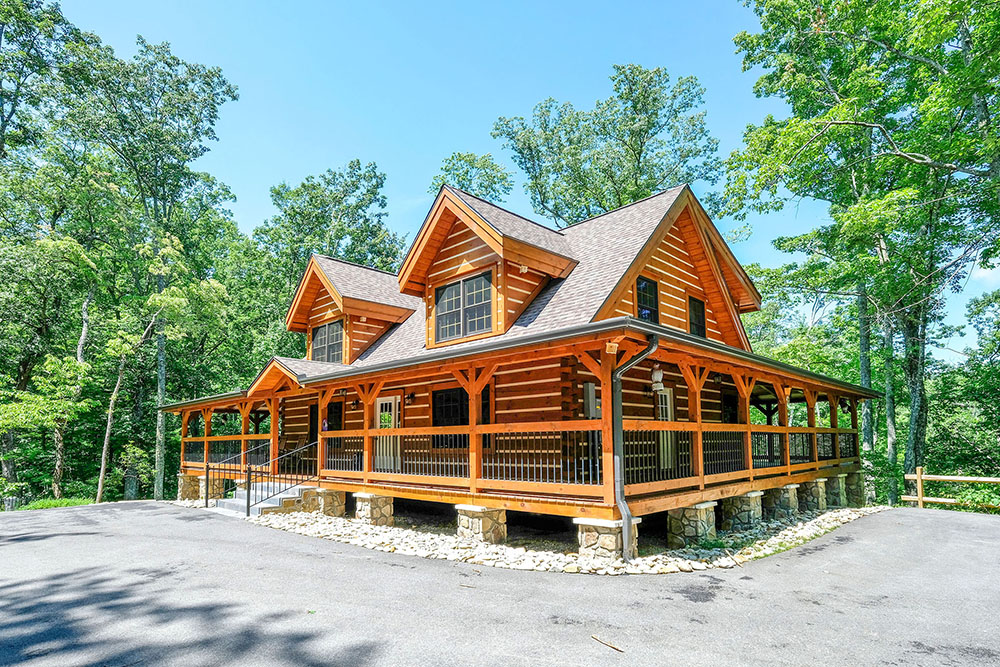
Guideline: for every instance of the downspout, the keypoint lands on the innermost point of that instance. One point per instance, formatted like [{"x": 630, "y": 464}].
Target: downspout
[{"x": 618, "y": 441}]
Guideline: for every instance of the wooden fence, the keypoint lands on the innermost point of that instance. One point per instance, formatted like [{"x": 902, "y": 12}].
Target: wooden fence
[{"x": 920, "y": 498}]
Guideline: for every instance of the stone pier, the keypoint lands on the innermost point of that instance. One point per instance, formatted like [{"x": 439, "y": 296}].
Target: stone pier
[
  {"x": 218, "y": 489},
  {"x": 741, "y": 512},
  {"x": 482, "y": 524},
  {"x": 188, "y": 487},
  {"x": 373, "y": 509},
  {"x": 855, "y": 483},
  {"x": 781, "y": 503},
  {"x": 689, "y": 525},
  {"x": 324, "y": 501},
  {"x": 812, "y": 495},
  {"x": 836, "y": 491},
  {"x": 602, "y": 538}
]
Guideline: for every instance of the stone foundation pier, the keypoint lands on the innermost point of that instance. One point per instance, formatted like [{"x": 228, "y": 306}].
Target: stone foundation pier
[
  {"x": 812, "y": 495},
  {"x": 741, "y": 512},
  {"x": 482, "y": 524},
  {"x": 373, "y": 509},
  {"x": 855, "y": 487},
  {"x": 781, "y": 503},
  {"x": 188, "y": 487},
  {"x": 836, "y": 491},
  {"x": 602, "y": 538},
  {"x": 690, "y": 525}
]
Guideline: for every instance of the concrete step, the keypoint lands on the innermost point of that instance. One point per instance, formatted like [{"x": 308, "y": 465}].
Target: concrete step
[{"x": 238, "y": 503}]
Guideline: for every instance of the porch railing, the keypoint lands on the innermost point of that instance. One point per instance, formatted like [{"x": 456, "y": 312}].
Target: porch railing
[{"x": 219, "y": 449}]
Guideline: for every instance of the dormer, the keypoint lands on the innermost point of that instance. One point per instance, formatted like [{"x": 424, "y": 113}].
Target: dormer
[
  {"x": 477, "y": 267},
  {"x": 343, "y": 308}
]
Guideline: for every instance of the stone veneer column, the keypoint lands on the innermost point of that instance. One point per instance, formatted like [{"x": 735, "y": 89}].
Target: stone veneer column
[
  {"x": 812, "y": 495},
  {"x": 689, "y": 525},
  {"x": 188, "y": 487},
  {"x": 741, "y": 512},
  {"x": 602, "y": 538},
  {"x": 373, "y": 509},
  {"x": 218, "y": 489},
  {"x": 482, "y": 524},
  {"x": 836, "y": 491},
  {"x": 781, "y": 503},
  {"x": 855, "y": 483}
]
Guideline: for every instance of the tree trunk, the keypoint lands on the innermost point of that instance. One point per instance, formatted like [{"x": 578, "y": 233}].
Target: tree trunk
[
  {"x": 867, "y": 425},
  {"x": 7, "y": 467},
  {"x": 890, "y": 415},
  {"x": 161, "y": 395},
  {"x": 59, "y": 451},
  {"x": 106, "y": 450},
  {"x": 913, "y": 372}
]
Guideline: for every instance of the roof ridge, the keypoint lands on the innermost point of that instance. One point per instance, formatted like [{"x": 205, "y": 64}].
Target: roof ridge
[
  {"x": 360, "y": 266},
  {"x": 621, "y": 208},
  {"x": 506, "y": 210}
]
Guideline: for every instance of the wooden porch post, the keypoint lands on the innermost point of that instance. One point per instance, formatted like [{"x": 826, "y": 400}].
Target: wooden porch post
[
  {"x": 745, "y": 385},
  {"x": 272, "y": 407},
  {"x": 367, "y": 393},
  {"x": 608, "y": 362},
  {"x": 810, "y": 397},
  {"x": 245, "y": 408},
  {"x": 695, "y": 378},
  {"x": 207, "y": 416},
  {"x": 473, "y": 382},
  {"x": 782, "y": 393},
  {"x": 325, "y": 396},
  {"x": 834, "y": 401}
]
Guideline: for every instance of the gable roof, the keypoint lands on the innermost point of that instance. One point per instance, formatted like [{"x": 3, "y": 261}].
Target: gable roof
[
  {"x": 352, "y": 287},
  {"x": 512, "y": 225}
]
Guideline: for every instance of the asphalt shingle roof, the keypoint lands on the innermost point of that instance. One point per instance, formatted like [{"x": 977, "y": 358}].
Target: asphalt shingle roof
[
  {"x": 516, "y": 226},
  {"x": 361, "y": 282},
  {"x": 604, "y": 246}
]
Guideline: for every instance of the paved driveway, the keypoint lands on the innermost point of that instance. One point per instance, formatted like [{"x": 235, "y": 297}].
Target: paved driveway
[{"x": 149, "y": 583}]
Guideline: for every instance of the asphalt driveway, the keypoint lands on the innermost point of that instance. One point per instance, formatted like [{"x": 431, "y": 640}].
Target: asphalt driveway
[{"x": 150, "y": 583}]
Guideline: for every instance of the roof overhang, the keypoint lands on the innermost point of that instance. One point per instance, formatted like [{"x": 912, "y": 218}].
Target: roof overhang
[
  {"x": 448, "y": 208},
  {"x": 312, "y": 279},
  {"x": 274, "y": 377}
]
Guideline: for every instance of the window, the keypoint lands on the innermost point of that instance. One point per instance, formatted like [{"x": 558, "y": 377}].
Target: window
[
  {"x": 647, "y": 300},
  {"x": 696, "y": 316},
  {"x": 667, "y": 439},
  {"x": 463, "y": 308},
  {"x": 328, "y": 342},
  {"x": 450, "y": 407}
]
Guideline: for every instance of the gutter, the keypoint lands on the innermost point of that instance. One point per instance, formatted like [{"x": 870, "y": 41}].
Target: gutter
[{"x": 619, "y": 442}]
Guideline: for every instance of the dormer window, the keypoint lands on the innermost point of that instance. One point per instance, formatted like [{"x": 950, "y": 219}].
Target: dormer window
[
  {"x": 328, "y": 342},
  {"x": 463, "y": 308}
]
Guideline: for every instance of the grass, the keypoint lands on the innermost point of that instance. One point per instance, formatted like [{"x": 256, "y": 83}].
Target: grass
[{"x": 48, "y": 503}]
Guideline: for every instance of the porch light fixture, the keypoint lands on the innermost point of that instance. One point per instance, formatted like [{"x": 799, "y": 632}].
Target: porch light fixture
[
  {"x": 409, "y": 398},
  {"x": 844, "y": 407},
  {"x": 354, "y": 404},
  {"x": 717, "y": 378},
  {"x": 656, "y": 380},
  {"x": 342, "y": 391}
]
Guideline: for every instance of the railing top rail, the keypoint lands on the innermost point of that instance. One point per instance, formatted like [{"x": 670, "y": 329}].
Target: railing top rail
[
  {"x": 652, "y": 425},
  {"x": 955, "y": 478},
  {"x": 506, "y": 427},
  {"x": 213, "y": 438}
]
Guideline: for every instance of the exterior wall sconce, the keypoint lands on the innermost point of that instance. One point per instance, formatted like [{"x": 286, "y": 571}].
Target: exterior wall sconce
[
  {"x": 656, "y": 380},
  {"x": 409, "y": 398},
  {"x": 717, "y": 378},
  {"x": 844, "y": 407},
  {"x": 354, "y": 404},
  {"x": 342, "y": 391}
]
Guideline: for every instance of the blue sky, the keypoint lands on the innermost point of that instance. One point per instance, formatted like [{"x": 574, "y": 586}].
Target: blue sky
[{"x": 406, "y": 84}]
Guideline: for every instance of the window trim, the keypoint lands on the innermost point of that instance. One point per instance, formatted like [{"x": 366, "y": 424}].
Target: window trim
[
  {"x": 327, "y": 325},
  {"x": 432, "y": 291},
  {"x": 635, "y": 299}
]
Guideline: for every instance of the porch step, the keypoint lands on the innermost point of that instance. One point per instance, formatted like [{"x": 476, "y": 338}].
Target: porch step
[{"x": 238, "y": 503}]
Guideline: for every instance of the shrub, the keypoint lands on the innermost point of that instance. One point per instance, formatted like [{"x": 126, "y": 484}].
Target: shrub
[{"x": 48, "y": 503}]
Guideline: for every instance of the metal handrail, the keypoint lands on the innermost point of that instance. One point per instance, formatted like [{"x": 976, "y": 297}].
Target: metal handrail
[
  {"x": 228, "y": 460},
  {"x": 298, "y": 477}
]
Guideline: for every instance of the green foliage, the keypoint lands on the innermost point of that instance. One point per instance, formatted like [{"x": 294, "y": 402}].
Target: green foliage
[
  {"x": 648, "y": 136},
  {"x": 480, "y": 175},
  {"x": 49, "y": 503}
]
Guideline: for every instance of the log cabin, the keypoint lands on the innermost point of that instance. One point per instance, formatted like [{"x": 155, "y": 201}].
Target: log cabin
[{"x": 600, "y": 372}]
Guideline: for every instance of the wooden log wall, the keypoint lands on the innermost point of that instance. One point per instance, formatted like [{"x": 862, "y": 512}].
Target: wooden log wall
[{"x": 672, "y": 265}]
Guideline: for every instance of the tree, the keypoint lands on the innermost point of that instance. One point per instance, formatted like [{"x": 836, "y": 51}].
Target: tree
[
  {"x": 883, "y": 127},
  {"x": 33, "y": 41},
  {"x": 480, "y": 175},
  {"x": 340, "y": 213},
  {"x": 646, "y": 137},
  {"x": 156, "y": 113}
]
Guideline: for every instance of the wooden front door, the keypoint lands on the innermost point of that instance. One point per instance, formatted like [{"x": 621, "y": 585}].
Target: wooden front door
[{"x": 387, "y": 447}]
